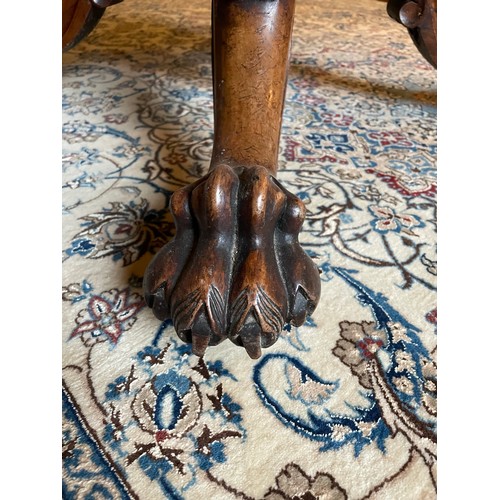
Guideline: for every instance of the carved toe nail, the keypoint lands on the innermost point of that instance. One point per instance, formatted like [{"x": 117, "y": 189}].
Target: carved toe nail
[
  {"x": 201, "y": 334},
  {"x": 299, "y": 310},
  {"x": 249, "y": 335},
  {"x": 200, "y": 344},
  {"x": 158, "y": 303}
]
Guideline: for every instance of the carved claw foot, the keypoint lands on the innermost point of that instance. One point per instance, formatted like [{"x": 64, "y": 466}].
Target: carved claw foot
[{"x": 235, "y": 268}]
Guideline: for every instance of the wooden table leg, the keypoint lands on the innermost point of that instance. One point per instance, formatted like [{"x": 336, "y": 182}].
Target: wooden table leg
[
  {"x": 79, "y": 18},
  {"x": 420, "y": 18},
  {"x": 235, "y": 268}
]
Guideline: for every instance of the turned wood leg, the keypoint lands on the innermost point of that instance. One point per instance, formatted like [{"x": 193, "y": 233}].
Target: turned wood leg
[{"x": 235, "y": 268}]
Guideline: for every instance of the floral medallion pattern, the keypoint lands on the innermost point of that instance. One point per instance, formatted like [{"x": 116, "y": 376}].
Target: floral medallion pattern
[{"x": 344, "y": 407}]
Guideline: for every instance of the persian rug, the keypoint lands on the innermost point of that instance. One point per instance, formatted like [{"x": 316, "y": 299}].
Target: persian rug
[{"x": 343, "y": 407}]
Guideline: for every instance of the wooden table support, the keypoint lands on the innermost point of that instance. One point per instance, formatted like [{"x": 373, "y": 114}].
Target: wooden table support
[
  {"x": 235, "y": 268},
  {"x": 420, "y": 18},
  {"x": 79, "y": 18}
]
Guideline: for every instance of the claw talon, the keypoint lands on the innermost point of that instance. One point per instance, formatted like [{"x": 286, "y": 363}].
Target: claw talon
[{"x": 250, "y": 336}]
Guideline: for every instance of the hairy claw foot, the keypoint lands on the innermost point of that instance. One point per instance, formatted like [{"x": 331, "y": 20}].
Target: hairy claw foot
[{"x": 235, "y": 268}]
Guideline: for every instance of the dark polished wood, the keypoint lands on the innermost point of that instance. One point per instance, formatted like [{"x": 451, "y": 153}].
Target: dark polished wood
[
  {"x": 420, "y": 18},
  {"x": 235, "y": 268},
  {"x": 251, "y": 43},
  {"x": 79, "y": 19}
]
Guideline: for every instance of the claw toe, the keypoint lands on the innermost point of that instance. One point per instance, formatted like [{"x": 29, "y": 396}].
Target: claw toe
[{"x": 250, "y": 335}]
